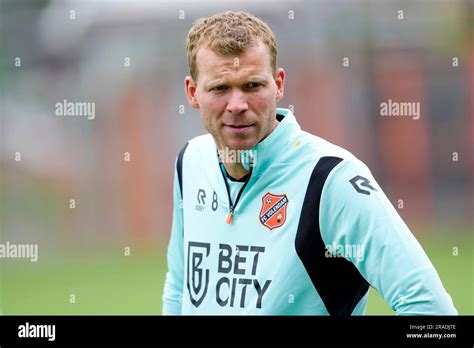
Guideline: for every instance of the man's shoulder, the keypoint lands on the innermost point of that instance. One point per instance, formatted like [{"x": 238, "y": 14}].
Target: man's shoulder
[
  {"x": 315, "y": 145},
  {"x": 205, "y": 140},
  {"x": 339, "y": 164},
  {"x": 201, "y": 143}
]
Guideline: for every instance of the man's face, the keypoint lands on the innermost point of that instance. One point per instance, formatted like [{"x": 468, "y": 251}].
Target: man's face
[{"x": 236, "y": 95}]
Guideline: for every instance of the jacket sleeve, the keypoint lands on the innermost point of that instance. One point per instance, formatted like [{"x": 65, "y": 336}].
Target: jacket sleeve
[
  {"x": 173, "y": 289},
  {"x": 360, "y": 216}
]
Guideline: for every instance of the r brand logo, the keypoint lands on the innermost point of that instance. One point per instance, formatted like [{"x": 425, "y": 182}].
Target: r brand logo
[
  {"x": 364, "y": 182},
  {"x": 201, "y": 196}
]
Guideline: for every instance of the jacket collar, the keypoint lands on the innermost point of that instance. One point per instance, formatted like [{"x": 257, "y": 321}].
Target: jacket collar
[
  {"x": 273, "y": 146},
  {"x": 277, "y": 142}
]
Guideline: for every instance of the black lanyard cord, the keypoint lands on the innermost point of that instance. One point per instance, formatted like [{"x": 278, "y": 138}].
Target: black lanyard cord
[{"x": 232, "y": 206}]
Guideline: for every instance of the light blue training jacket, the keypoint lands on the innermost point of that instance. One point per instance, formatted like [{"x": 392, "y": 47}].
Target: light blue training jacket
[{"x": 310, "y": 233}]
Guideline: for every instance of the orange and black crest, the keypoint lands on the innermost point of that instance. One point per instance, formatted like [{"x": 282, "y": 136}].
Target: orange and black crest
[{"x": 273, "y": 212}]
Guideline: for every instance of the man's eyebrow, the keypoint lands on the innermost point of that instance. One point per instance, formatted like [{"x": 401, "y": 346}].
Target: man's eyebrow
[
  {"x": 219, "y": 82},
  {"x": 214, "y": 83},
  {"x": 256, "y": 79}
]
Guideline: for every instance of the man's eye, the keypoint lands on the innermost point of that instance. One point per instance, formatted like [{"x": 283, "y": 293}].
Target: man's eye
[
  {"x": 252, "y": 85},
  {"x": 219, "y": 88}
]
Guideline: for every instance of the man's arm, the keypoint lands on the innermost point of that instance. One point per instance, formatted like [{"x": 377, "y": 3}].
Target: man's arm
[
  {"x": 355, "y": 212},
  {"x": 173, "y": 290}
]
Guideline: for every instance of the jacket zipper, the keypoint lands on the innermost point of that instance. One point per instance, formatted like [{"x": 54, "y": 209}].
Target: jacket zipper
[{"x": 232, "y": 206}]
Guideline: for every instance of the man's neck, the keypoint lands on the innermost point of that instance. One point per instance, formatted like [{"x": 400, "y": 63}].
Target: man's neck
[{"x": 235, "y": 170}]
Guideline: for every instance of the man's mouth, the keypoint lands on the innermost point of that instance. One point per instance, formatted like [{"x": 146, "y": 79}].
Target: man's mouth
[
  {"x": 239, "y": 125},
  {"x": 238, "y": 128}
]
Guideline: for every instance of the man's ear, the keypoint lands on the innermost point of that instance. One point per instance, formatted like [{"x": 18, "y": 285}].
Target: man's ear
[
  {"x": 280, "y": 82},
  {"x": 190, "y": 88}
]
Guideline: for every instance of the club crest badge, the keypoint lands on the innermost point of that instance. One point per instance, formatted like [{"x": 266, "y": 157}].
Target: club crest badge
[{"x": 273, "y": 212}]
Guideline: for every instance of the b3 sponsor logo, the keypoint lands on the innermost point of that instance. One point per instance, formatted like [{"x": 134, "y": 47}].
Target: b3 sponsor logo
[
  {"x": 237, "y": 275},
  {"x": 198, "y": 277}
]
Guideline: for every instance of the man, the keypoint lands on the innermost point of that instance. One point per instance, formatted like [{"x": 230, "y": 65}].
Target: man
[{"x": 269, "y": 219}]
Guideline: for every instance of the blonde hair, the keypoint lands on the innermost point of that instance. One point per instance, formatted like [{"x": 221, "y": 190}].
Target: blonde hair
[{"x": 229, "y": 33}]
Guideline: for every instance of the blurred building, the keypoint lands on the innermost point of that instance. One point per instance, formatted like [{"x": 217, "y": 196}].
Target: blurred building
[{"x": 342, "y": 59}]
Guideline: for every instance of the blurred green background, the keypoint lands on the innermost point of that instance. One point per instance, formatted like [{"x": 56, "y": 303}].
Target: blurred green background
[{"x": 113, "y": 283}]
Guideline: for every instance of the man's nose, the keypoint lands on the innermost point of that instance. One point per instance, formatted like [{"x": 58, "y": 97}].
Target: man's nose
[{"x": 237, "y": 102}]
